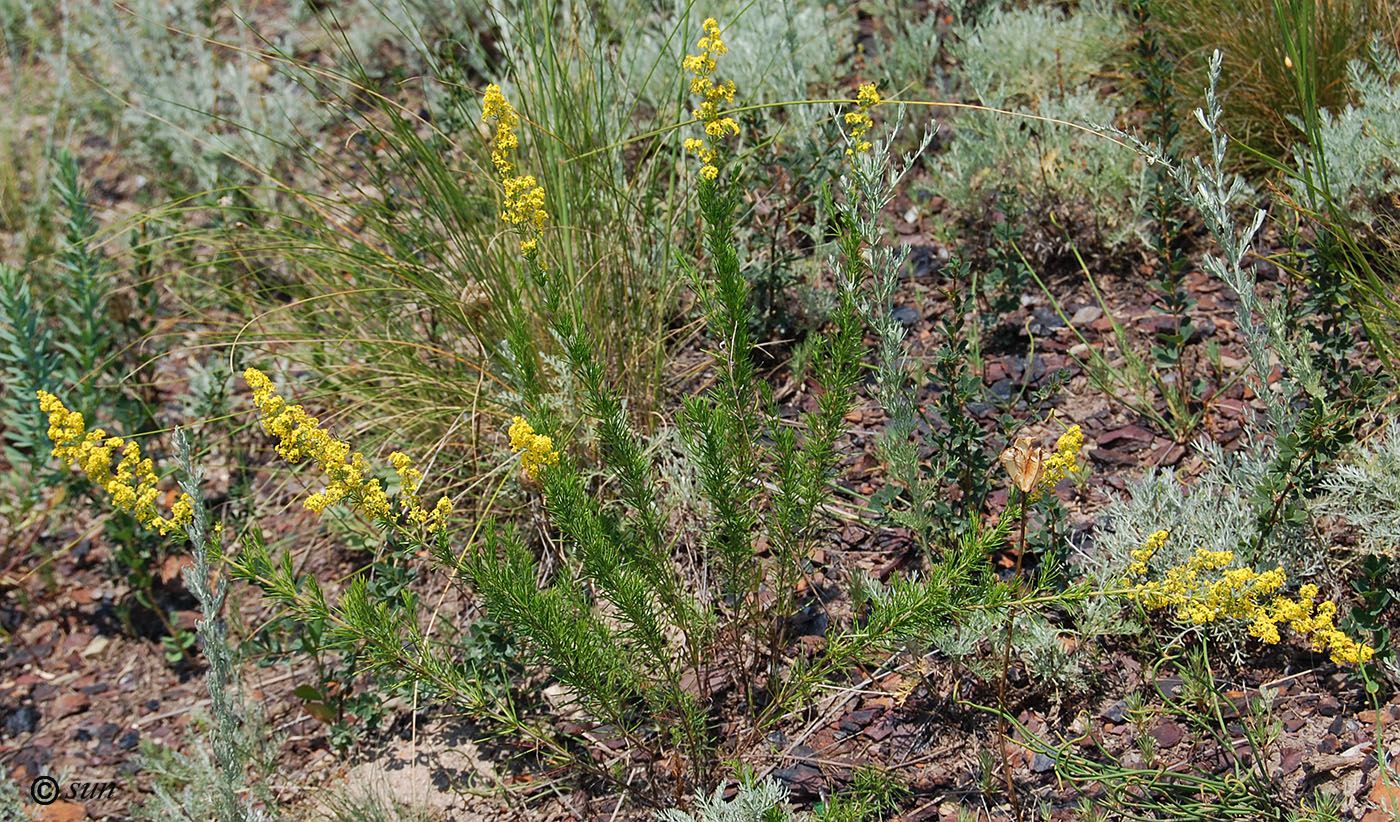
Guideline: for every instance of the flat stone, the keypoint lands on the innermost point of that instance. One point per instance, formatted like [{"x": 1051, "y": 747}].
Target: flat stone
[
  {"x": 1044, "y": 321},
  {"x": 22, "y": 720},
  {"x": 906, "y": 315},
  {"x": 72, "y": 702},
  {"x": 801, "y": 779},
  {"x": 1085, "y": 316},
  {"x": 1114, "y": 713},
  {"x": 1119, "y": 437},
  {"x": 1109, "y": 456},
  {"x": 1167, "y": 734}
]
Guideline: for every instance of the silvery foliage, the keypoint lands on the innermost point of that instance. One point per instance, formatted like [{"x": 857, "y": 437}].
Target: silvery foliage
[
  {"x": 215, "y": 115},
  {"x": 1040, "y": 61},
  {"x": 962, "y": 642},
  {"x": 1037, "y": 643},
  {"x": 785, "y": 48},
  {"x": 12, "y": 802},
  {"x": 1211, "y": 514},
  {"x": 1018, "y": 56},
  {"x": 1046, "y": 657},
  {"x": 1360, "y": 143},
  {"x": 196, "y": 109},
  {"x": 212, "y": 777},
  {"x": 1264, "y": 327},
  {"x": 1364, "y": 492},
  {"x": 764, "y": 801},
  {"x": 914, "y": 40}
]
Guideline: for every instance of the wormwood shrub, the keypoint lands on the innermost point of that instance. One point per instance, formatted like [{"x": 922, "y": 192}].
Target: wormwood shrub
[
  {"x": 1042, "y": 61},
  {"x": 1252, "y": 510}
]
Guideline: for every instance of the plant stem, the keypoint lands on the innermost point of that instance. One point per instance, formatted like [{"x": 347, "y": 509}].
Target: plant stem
[{"x": 1006, "y": 661}]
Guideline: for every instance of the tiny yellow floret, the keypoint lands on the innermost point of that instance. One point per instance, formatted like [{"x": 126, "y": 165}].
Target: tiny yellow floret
[
  {"x": 860, "y": 121},
  {"x": 524, "y": 197},
  {"x": 703, "y": 85},
  {"x": 1202, "y": 591},
  {"x": 1065, "y": 459}
]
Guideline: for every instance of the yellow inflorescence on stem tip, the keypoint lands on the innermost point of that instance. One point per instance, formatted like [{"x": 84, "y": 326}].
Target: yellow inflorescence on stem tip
[
  {"x": 524, "y": 198},
  {"x": 860, "y": 120},
  {"x": 702, "y": 84},
  {"x": 1065, "y": 459},
  {"x": 1035, "y": 471},
  {"x": 301, "y": 438},
  {"x": 1202, "y": 591},
  {"x": 536, "y": 450},
  {"x": 132, "y": 486}
]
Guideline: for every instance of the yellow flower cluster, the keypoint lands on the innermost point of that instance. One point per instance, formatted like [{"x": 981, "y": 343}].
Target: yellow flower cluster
[
  {"x": 1202, "y": 591},
  {"x": 702, "y": 84},
  {"x": 859, "y": 120},
  {"x": 132, "y": 486},
  {"x": 524, "y": 203},
  {"x": 1065, "y": 459},
  {"x": 536, "y": 450},
  {"x": 301, "y": 437},
  {"x": 1141, "y": 556}
]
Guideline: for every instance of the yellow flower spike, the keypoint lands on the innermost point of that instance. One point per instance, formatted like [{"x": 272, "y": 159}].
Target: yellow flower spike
[
  {"x": 300, "y": 437},
  {"x": 524, "y": 197},
  {"x": 867, "y": 97},
  {"x": 132, "y": 486},
  {"x": 702, "y": 66},
  {"x": 1143, "y": 555},
  {"x": 1065, "y": 459}
]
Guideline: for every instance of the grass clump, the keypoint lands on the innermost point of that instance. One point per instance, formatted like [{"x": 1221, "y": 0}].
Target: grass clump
[{"x": 1266, "y": 47}]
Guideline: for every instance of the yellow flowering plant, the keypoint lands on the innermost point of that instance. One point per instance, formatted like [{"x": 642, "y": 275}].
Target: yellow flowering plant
[
  {"x": 1207, "y": 590},
  {"x": 536, "y": 450},
  {"x": 594, "y": 589},
  {"x": 860, "y": 121},
  {"x": 524, "y": 197},
  {"x": 116, "y": 467},
  {"x": 132, "y": 484}
]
